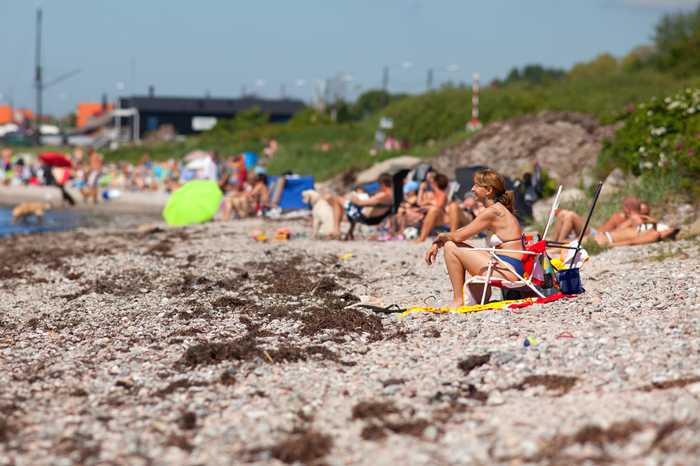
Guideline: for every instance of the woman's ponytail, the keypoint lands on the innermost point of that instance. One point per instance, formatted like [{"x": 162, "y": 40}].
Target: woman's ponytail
[{"x": 508, "y": 201}]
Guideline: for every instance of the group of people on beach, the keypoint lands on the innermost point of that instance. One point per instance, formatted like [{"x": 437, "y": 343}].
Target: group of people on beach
[
  {"x": 632, "y": 225},
  {"x": 88, "y": 173},
  {"x": 428, "y": 206},
  {"x": 97, "y": 180}
]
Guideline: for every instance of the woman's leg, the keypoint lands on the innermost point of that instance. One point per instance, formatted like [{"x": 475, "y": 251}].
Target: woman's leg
[
  {"x": 460, "y": 259},
  {"x": 557, "y": 227},
  {"x": 456, "y": 271},
  {"x": 563, "y": 227},
  {"x": 336, "y": 203},
  {"x": 571, "y": 222},
  {"x": 631, "y": 237},
  {"x": 239, "y": 205},
  {"x": 226, "y": 215},
  {"x": 400, "y": 220},
  {"x": 430, "y": 221}
]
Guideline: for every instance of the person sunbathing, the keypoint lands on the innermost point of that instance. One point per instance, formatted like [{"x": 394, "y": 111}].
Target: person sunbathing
[
  {"x": 433, "y": 210},
  {"x": 249, "y": 203},
  {"x": 408, "y": 212},
  {"x": 363, "y": 209},
  {"x": 497, "y": 217},
  {"x": 626, "y": 228},
  {"x": 569, "y": 223},
  {"x": 418, "y": 197}
]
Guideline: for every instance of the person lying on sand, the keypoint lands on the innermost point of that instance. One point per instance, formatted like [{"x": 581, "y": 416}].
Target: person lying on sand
[
  {"x": 568, "y": 226},
  {"x": 25, "y": 209},
  {"x": 626, "y": 228},
  {"x": 363, "y": 208},
  {"x": 497, "y": 217}
]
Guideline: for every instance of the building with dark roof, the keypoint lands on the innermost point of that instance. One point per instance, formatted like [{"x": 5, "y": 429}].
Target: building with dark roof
[{"x": 189, "y": 115}]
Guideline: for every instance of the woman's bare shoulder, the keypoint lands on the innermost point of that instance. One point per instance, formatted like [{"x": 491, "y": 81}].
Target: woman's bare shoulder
[{"x": 494, "y": 210}]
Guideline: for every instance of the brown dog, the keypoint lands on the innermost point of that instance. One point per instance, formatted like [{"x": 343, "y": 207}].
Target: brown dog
[{"x": 25, "y": 209}]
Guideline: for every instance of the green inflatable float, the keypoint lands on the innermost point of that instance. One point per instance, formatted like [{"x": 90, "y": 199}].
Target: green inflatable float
[{"x": 196, "y": 201}]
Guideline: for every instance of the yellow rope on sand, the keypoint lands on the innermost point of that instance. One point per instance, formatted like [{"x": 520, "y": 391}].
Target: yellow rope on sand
[{"x": 466, "y": 309}]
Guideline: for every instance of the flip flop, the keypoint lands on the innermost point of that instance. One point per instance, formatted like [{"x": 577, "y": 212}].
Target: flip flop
[{"x": 390, "y": 309}]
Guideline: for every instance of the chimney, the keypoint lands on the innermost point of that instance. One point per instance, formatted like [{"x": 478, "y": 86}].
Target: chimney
[{"x": 151, "y": 91}]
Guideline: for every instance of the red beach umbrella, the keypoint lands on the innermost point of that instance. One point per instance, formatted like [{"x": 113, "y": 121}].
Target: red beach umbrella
[{"x": 55, "y": 159}]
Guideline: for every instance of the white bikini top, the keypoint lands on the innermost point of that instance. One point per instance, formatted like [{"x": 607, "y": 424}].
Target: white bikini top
[{"x": 495, "y": 241}]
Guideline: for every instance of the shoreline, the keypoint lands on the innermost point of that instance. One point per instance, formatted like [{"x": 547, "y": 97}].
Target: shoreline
[{"x": 128, "y": 202}]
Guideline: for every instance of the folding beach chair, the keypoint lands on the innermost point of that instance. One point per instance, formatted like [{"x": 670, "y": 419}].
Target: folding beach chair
[
  {"x": 397, "y": 192},
  {"x": 535, "y": 263}
]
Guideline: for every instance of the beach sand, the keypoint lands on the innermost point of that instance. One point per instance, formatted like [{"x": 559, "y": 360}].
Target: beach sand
[{"x": 202, "y": 346}]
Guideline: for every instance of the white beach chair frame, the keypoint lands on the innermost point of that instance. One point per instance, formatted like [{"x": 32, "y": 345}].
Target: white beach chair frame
[{"x": 521, "y": 282}]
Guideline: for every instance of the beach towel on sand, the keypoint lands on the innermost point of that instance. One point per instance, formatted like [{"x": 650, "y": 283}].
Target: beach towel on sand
[{"x": 511, "y": 304}]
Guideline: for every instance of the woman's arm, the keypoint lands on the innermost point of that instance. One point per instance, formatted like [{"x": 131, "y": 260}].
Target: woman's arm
[
  {"x": 255, "y": 191},
  {"x": 421, "y": 192},
  {"x": 482, "y": 222},
  {"x": 379, "y": 198},
  {"x": 479, "y": 224},
  {"x": 613, "y": 222}
]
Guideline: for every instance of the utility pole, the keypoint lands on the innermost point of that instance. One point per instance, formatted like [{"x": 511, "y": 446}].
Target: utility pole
[
  {"x": 385, "y": 79},
  {"x": 429, "y": 83},
  {"x": 38, "y": 79}
]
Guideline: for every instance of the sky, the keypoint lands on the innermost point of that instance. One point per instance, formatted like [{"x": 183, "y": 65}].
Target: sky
[{"x": 223, "y": 47}]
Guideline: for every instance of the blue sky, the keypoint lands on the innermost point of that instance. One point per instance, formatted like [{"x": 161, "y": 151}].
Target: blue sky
[{"x": 219, "y": 46}]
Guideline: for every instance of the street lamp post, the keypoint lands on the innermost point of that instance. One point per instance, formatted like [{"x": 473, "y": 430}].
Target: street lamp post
[
  {"x": 38, "y": 78},
  {"x": 405, "y": 65},
  {"x": 451, "y": 68}
]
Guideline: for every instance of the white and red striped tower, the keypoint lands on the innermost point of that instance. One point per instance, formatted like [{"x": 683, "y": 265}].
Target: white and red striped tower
[{"x": 474, "y": 124}]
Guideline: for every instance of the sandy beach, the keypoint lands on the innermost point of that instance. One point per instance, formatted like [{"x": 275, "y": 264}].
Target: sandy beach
[{"x": 202, "y": 346}]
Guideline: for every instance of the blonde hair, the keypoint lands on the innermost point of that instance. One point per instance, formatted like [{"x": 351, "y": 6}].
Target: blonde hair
[{"x": 490, "y": 179}]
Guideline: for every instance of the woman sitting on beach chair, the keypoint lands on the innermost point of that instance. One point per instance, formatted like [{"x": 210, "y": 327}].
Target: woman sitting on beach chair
[{"x": 497, "y": 217}]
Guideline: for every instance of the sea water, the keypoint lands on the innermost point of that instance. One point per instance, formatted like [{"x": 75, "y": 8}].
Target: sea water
[{"x": 69, "y": 219}]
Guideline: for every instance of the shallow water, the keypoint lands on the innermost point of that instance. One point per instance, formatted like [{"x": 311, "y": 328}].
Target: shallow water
[{"x": 69, "y": 219}]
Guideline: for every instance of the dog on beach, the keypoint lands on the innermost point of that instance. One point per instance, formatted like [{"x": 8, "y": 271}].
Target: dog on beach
[
  {"x": 322, "y": 212},
  {"x": 26, "y": 209}
]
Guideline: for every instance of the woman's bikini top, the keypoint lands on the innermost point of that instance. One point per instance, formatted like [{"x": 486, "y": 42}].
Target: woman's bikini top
[{"x": 495, "y": 240}]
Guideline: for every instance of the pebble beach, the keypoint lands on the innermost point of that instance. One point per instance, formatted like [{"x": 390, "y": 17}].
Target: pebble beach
[{"x": 202, "y": 346}]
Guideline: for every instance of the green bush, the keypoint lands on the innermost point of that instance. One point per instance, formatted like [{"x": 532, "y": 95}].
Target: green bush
[
  {"x": 660, "y": 135},
  {"x": 434, "y": 115},
  {"x": 309, "y": 117}
]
